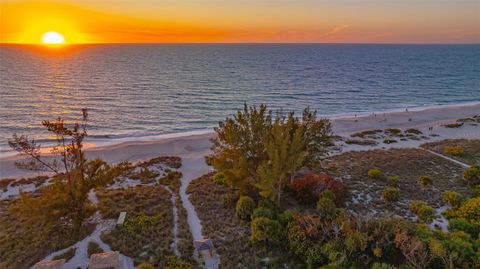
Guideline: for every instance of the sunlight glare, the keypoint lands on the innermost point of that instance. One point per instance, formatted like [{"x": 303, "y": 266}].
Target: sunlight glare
[{"x": 53, "y": 38}]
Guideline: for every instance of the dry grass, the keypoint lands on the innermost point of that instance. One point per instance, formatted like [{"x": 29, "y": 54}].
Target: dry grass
[
  {"x": 22, "y": 246},
  {"x": 408, "y": 165},
  {"x": 471, "y": 149},
  {"x": 230, "y": 235},
  {"x": 147, "y": 232}
]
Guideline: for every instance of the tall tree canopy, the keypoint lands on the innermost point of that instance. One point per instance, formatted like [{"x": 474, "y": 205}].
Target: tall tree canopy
[{"x": 254, "y": 149}]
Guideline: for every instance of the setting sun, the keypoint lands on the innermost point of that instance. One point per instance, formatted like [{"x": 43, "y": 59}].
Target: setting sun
[{"x": 53, "y": 38}]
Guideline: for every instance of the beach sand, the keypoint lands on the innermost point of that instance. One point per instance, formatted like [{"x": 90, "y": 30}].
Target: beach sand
[{"x": 343, "y": 126}]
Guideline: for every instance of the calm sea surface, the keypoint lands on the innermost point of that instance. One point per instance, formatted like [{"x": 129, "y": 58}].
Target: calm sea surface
[{"x": 138, "y": 91}]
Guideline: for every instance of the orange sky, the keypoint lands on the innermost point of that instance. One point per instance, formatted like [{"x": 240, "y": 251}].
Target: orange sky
[{"x": 324, "y": 21}]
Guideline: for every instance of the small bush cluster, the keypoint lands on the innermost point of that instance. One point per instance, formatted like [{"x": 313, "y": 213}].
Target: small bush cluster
[
  {"x": 219, "y": 179},
  {"x": 245, "y": 207},
  {"x": 393, "y": 180},
  {"x": 472, "y": 175},
  {"x": 452, "y": 198},
  {"x": 453, "y": 151},
  {"x": 425, "y": 181},
  {"x": 390, "y": 194},
  {"x": 424, "y": 212},
  {"x": 375, "y": 174},
  {"x": 308, "y": 188},
  {"x": 470, "y": 210},
  {"x": 93, "y": 248}
]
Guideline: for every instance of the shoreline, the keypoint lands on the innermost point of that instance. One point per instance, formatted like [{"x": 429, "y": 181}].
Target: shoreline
[
  {"x": 198, "y": 142},
  {"x": 94, "y": 142}
]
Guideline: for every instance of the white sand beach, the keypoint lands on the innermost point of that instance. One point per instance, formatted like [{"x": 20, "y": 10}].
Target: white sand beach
[{"x": 344, "y": 126}]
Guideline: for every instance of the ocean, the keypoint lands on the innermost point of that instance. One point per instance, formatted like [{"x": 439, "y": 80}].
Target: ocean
[{"x": 141, "y": 92}]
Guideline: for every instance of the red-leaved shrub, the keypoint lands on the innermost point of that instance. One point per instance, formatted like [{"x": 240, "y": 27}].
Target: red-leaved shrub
[{"x": 308, "y": 188}]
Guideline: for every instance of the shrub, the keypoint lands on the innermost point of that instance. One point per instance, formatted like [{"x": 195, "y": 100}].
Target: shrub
[
  {"x": 472, "y": 175},
  {"x": 453, "y": 151},
  {"x": 424, "y": 212},
  {"x": 393, "y": 180},
  {"x": 460, "y": 224},
  {"x": 285, "y": 218},
  {"x": 172, "y": 262},
  {"x": 267, "y": 204},
  {"x": 470, "y": 210},
  {"x": 93, "y": 248},
  {"x": 245, "y": 207},
  {"x": 263, "y": 212},
  {"x": 219, "y": 179},
  {"x": 265, "y": 230},
  {"x": 391, "y": 194},
  {"x": 415, "y": 205},
  {"x": 425, "y": 181},
  {"x": 326, "y": 208},
  {"x": 476, "y": 191},
  {"x": 229, "y": 199},
  {"x": 145, "y": 265},
  {"x": 327, "y": 194},
  {"x": 66, "y": 255},
  {"x": 308, "y": 189},
  {"x": 453, "y": 125},
  {"x": 413, "y": 131},
  {"x": 382, "y": 266},
  {"x": 451, "y": 198},
  {"x": 375, "y": 174}
]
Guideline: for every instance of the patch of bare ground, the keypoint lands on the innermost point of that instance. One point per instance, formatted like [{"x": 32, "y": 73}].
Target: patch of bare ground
[
  {"x": 365, "y": 193},
  {"x": 230, "y": 235},
  {"x": 469, "y": 149},
  {"x": 21, "y": 246}
]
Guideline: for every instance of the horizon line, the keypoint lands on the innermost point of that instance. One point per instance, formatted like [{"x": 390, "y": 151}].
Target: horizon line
[{"x": 242, "y": 43}]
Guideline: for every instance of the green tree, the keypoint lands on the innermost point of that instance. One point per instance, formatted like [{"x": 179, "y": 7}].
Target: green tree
[
  {"x": 65, "y": 200},
  {"x": 238, "y": 149},
  {"x": 286, "y": 153}
]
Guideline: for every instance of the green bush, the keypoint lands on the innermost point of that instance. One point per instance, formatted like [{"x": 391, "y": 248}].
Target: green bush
[
  {"x": 375, "y": 174},
  {"x": 219, "y": 179},
  {"x": 476, "y": 191},
  {"x": 415, "y": 205},
  {"x": 393, "y": 180},
  {"x": 382, "y": 266},
  {"x": 266, "y": 203},
  {"x": 390, "y": 194},
  {"x": 327, "y": 194},
  {"x": 424, "y": 212},
  {"x": 453, "y": 199},
  {"x": 245, "y": 207},
  {"x": 263, "y": 212},
  {"x": 145, "y": 265},
  {"x": 326, "y": 208},
  {"x": 172, "y": 262},
  {"x": 460, "y": 224},
  {"x": 470, "y": 210},
  {"x": 285, "y": 218},
  {"x": 472, "y": 175},
  {"x": 93, "y": 248},
  {"x": 265, "y": 230},
  {"x": 67, "y": 255},
  {"x": 453, "y": 151},
  {"x": 229, "y": 199},
  {"x": 425, "y": 181}
]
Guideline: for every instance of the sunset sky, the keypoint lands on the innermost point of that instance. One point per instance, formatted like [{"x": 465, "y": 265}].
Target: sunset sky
[{"x": 324, "y": 21}]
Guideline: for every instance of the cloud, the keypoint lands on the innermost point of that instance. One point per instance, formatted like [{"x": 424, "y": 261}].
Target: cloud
[{"x": 336, "y": 29}]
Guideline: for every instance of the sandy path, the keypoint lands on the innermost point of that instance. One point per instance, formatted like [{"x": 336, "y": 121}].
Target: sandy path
[
  {"x": 81, "y": 258},
  {"x": 194, "y": 166}
]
